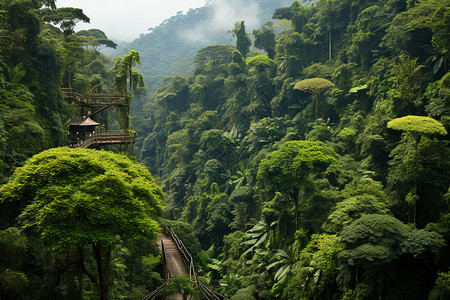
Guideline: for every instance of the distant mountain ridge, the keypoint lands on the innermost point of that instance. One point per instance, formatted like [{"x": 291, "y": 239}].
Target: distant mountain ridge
[{"x": 169, "y": 48}]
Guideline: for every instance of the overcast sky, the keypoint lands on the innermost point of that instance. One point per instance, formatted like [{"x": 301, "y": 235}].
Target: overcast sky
[{"x": 125, "y": 20}]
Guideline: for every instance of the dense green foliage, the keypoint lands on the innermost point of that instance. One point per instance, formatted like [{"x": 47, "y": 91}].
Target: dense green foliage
[
  {"x": 319, "y": 171},
  {"x": 417, "y": 125},
  {"x": 315, "y": 167},
  {"x": 73, "y": 224},
  {"x": 87, "y": 209},
  {"x": 36, "y": 60},
  {"x": 169, "y": 48}
]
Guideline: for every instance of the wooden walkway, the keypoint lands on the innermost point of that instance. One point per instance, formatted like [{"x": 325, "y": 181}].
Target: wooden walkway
[
  {"x": 174, "y": 261},
  {"x": 178, "y": 261}
]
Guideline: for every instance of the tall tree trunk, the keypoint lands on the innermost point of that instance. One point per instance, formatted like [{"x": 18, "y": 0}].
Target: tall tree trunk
[
  {"x": 103, "y": 283},
  {"x": 50, "y": 277},
  {"x": 70, "y": 81},
  {"x": 131, "y": 264},
  {"x": 317, "y": 104},
  {"x": 329, "y": 31},
  {"x": 131, "y": 74},
  {"x": 296, "y": 200},
  {"x": 329, "y": 44},
  {"x": 416, "y": 166}
]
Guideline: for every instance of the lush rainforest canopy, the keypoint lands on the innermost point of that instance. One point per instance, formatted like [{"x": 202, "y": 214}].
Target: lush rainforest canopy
[{"x": 308, "y": 159}]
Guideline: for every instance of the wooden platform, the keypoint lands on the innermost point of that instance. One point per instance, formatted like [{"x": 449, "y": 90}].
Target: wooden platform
[{"x": 175, "y": 264}]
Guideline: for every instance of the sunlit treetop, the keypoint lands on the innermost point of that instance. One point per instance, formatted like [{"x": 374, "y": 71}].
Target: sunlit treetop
[
  {"x": 78, "y": 196},
  {"x": 417, "y": 124},
  {"x": 314, "y": 86},
  {"x": 293, "y": 161},
  {"x": 259, "y": 61}
]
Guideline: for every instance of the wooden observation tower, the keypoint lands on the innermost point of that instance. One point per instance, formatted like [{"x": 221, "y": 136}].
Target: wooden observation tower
[{"x": 84, "y": 132}]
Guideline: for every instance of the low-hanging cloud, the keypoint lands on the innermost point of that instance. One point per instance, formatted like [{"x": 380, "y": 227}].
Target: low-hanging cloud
[{"x": 224, "y": 14}]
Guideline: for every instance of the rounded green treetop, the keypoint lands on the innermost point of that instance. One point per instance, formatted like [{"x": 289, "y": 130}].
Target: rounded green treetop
[
  {"x": 287, "y": 169},
  {"x": 260, "y": 61},
  {"x": 314, "y": 86},
  {"x": 74, "y": 196},
  {"x": 79, "y": 198},
  {"x": 418, "y": 125}
]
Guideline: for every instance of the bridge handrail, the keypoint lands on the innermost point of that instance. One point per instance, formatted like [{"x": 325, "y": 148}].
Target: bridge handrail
[
  {"x": 165, "y": 261},
  {"x": 187, "y": 258},
  {"x": 155, "y": 292},
  {"x": 209, "y": 292}
]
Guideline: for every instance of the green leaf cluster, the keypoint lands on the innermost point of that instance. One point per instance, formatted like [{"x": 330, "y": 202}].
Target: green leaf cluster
[
  {"x": 85, "y": 203},
  {"x": 418, "y": 125},
  {"x": 75, "y": 197}
]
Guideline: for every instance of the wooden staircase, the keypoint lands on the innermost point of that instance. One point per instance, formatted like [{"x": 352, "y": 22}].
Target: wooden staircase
[{"x": 99, "y": 102}]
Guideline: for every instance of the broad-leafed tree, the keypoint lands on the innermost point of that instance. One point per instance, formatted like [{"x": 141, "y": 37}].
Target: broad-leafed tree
[
  {"x": 80, "y": 202},
  {"x": 288, "y": 169},
  {"x": 314, "y": 86}
]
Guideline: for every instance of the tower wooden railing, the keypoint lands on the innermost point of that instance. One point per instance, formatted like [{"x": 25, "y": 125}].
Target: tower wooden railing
[
  {"x": 101, "y": 138},
  {"x": 95, "y": 99}
]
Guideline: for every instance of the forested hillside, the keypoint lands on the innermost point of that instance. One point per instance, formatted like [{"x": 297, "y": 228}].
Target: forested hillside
[
  {"x": 40, "y": 54},
  {"x": 319, "y": 170},
  {"x": 169, "y": 48},
  {"x": 309, "y": 157},
  {"x": 74, "y": 223}
]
